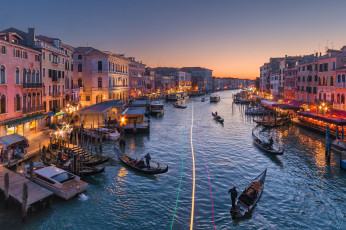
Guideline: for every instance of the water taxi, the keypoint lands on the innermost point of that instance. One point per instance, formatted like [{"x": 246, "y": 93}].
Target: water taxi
[
  {"x": 134, "y": 120},
  {"x": 214, "y": 98},
  {"x": 157, "y": 107},
  {"x": 61, "y": 183},
  {"x": 173, "y": 97}
]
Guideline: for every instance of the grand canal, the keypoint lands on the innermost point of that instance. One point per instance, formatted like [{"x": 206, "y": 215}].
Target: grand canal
[{"x": 302, "y": 191}]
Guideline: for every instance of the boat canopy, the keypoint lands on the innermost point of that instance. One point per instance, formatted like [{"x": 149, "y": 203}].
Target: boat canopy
[
  {"x": 134, "y": 111},
  {"x": 102, "y": 107},
  {"x": 49, "y": 171},
  {"x": 11, "y": 139},
  {"x": 139, "y": 103}
]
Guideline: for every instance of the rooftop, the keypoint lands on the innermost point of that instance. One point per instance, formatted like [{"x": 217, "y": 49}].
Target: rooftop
[{"x": 102, "y": 107}]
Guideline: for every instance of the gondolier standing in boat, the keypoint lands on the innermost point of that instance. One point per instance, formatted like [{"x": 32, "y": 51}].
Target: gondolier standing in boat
[
  {"x": 147, "y": 159},
  {"x": 234, "y": 195},
  {"x": 271, "y": 141}
]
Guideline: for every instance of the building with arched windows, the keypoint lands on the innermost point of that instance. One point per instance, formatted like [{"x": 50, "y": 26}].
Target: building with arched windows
[
  {"x": 21, "y": 109},
  {"x": 101, "y": 75}
]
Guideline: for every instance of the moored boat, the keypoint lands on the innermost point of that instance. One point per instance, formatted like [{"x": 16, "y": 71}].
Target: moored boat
[
  {"x": 217, "y": 117},
  {"x": 61, "y": 183},
  {"x": 266, "y": 147},
  {"x": 247, "y": 200},
  {"x": 157, "y": 107},
  {"x": 179, "y": 106},
  {"x": 214, "y": 98},
  {"x": 131, "y": 162}
]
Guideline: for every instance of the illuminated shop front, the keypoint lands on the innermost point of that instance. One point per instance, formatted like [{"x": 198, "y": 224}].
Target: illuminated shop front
[{"x": 25, "y": 125}]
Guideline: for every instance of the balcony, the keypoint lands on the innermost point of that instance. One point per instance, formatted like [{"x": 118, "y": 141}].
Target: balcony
[
  {"x": 116, "y": 87},
  {"x": 32, "y": 85},
  {"x": 339, "y": 85},
  {"x": 33, "y": 109},
  {"x": 54, "y": 94},
  {"x": 108, "y": 72},
  {"x": 56, "y": 79}
]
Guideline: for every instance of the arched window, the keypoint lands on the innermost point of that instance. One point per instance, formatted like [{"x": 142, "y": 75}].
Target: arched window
[
  {"x": 320, "y": 96},
  {"x": 28, "y": 76},
  {"x": 24, "y": 75},
  {"x": 67, "y": 83},
  {"x": 126, "y": 81},
  {"x": 343, "y": 78},
  {"x": 99, "y": 82},
  {"x": 99, "y": 66},
  {"x": 3, "y": 75},
  {"x": 80, "y": 82},
  {"x": 17, "y": 102},
  {"x": 24, "y": 100},
  {"x": 33, "y": 79},
  {"x": 37, "y": 76},
  {"x": 109, "y": 82},
  {"x": 80, "y": 68},
  {"x": 342, "y": 99},
  {"x": 17, "y": 76},
  {"x": 33, "y": 100},
  {"x": 339, "y": 78},
  {"x": 3, "y": 104},
  {"x": 29, "y": 100},
  {"x": 113, "y": 82},
  {"x": 338, "y": 98}
]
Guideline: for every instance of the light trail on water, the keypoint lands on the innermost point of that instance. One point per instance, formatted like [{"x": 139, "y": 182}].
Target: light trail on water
[
  {"x": 182, "y": 167},
  {"x": 211, "y": 194},
  {"x": 194, "y": 180}
]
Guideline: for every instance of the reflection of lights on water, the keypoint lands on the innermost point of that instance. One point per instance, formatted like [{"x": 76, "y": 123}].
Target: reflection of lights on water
[{"x": 194, "y": 181}]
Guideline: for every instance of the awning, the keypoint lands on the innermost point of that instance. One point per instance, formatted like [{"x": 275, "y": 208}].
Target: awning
[
  {"x": 24, "y": 120},
  {"x": 59, "y": 114},
  {"x": 49, "y": 114},
  {"x": 11, "y": 139},
  {"x": 325, "y": 118}
]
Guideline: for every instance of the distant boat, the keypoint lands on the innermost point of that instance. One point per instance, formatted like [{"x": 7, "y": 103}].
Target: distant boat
[
  {"x": 264, "y": 146},
  {"x": 179, "y": 106},
  {"x": 203, "y": 99},
  {"x": 214, "y": 98},
  {"x": 217, "y": 117},
  {"x": 249, "y": 197},
  {"x": 155, "y": 168},
  {"x": 156, "y": 107}
]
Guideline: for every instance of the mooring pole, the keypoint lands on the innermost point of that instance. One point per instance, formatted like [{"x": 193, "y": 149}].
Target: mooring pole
[
  {"x": 7, "y": 185},
  {"x": 24, "y": 201}
]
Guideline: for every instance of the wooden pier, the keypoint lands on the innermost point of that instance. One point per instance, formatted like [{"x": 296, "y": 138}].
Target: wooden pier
[{"x": 21, "y": 190}]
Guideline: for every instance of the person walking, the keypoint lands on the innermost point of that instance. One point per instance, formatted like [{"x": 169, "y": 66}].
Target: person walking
[{"x": 234, "y": 195}]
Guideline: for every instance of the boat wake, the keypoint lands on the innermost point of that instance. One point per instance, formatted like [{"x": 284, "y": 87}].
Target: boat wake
[{"x": 82, "y": 197}]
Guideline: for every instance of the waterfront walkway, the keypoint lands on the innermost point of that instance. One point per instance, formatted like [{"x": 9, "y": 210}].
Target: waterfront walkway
[{"x": 36, "y": 193}]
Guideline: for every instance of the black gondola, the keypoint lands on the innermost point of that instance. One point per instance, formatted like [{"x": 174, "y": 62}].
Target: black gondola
[
  {"x": 93, "y": 161},
  {"x": 266, "y": 147},
  {"x": 130, "y": 162},
  {"x": 217, "y": 117},
  {"x": 249, "y": 197}
]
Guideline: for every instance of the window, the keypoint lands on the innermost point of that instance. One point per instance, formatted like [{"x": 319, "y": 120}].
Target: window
[
  {"x": 325, "y": 66},
  {"x": 315, "y": 90},
  {"x": 332, "y": 80},
  {"x": 79, "y": 57},
  {"x": 321, "y": 68},
  {"x": 343, "y": 78},
  {"x": 28, "y": 76},
  {"x": 17, "y": 76},
  {"x": 99, "y": 66},
  {"x": 44, "y": 55},
  {"x": 303, "y": 68},
  {"x": 44, "y": 72},
  {"x": 87, "y": 98},
  {"x": 3, "y": 50},
  {"x": 33, "y": 76},
  {"x": 2, "y": 75},
  {"x": 17, "y": 102},
  {"x": 99, "y": 82},
  {"x": 50, "y": 57},
  {"x": 316, "y": 78},
  {"x": 333, "y": 65},
  {"x": 342, "y": 99},
  {"x": 80, "y": 69},
  {"x": 339, "y": 78},
  {"x": 24, "y": 76},
  {"x": 80, "y": 83},
  {"x": 3, "y": 104},
  {"x": 37, "y": 77}
]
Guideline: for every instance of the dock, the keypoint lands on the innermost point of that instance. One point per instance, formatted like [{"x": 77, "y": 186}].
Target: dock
[{"x": 35, "y": 194}]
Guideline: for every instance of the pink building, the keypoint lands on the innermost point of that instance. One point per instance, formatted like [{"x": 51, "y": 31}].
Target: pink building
[
  {"x": 137, "y": 78},
  {"x": 20, "y": 87},
  {"x": 290, "y": 83}
]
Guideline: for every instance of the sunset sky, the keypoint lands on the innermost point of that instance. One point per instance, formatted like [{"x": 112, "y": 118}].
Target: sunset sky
[{"x": 234, "y": 38}]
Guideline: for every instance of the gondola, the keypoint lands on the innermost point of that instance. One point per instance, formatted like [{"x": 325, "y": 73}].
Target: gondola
[
  {"x": 249, "y": 197},
  {"x": 272, "y": 123},
  {"x": 130, "y": 162},
  {"x": 176, "y": 105},
  {"x": 88, "y": 171},
  {"x": 217, "y": 117},
  {"x": 93, "y": 161},
  {"x": 264, "y": 146}
]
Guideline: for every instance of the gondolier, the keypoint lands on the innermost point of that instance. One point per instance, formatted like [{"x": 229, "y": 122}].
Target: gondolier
[
  {"x": 147, "y": 160},
  {"x": 234, "y": 195}
]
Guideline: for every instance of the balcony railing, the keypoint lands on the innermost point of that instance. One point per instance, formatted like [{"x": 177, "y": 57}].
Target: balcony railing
[
  {"x": 31, "y": 85},
  {"x": 339, "y": 85},
  {"x": 105, "y": 88},
  {"x": 54, "y": 94},
  {"x": 339, "y": 106},
  {"x": 108, "y": 72},
  {"x": 56, "y": 79},
  {"x": 33, "y": 109}
]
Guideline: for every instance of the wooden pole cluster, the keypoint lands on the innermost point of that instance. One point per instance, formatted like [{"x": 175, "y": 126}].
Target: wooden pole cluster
[
  {"x": 7, "y": 186},
  {"x": 24, "y": 201}
]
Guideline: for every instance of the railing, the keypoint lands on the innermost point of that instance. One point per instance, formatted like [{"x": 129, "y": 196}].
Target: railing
[
  {"x": 56, "y": 79},
  {"x": 33, "y": 109},
  {"x": 108, "y": 72},
  {"x": 339, "y": 106},
  {"x": 40, "y": 44},
  {"x": 105, "y": 88},
  {"x": 54, "y": 94},
  {"x": 31, "y": 85},
  {"x": 339, "y": 85}
]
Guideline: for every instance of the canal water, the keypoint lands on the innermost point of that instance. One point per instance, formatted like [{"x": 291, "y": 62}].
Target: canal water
[{"x": 302, "y": 191}]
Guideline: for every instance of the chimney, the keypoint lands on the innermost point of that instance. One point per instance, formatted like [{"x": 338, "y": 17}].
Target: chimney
[
  {"x": 286, "y": 56},
  {"x": 30, "y": 37},
  {"x": 320, "y": 54},
  {"x": 316, "y": 54}
]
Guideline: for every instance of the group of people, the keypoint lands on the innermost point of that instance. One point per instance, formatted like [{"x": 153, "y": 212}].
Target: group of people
[
  {"x": 140, "y": 163},
  {"x": 7, "y": 153}
]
